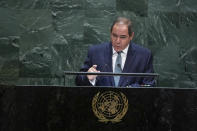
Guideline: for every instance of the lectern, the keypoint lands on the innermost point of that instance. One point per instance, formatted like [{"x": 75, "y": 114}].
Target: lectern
[{"x": 61, "y": 108}]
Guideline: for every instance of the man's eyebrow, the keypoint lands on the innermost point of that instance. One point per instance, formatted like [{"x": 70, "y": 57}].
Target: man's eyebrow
[
  {"x": 117, "y": 35},
  {"x": 114, "y": 34}
]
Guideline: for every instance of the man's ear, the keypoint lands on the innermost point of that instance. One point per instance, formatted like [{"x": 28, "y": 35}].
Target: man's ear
[{"x": 132, "y": 35}]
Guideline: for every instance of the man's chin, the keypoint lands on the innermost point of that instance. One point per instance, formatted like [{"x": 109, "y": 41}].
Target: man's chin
[{"x": 118, "y": 49}]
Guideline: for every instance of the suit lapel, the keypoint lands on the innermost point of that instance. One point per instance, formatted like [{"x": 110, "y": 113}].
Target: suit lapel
[
  {"x": 128, "y": 63},
  {"x": 108, "y": 57},
  {"x": 108, "y": 61}
]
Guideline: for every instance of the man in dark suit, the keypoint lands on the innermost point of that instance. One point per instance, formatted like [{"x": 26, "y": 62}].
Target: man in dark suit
[{"x": 120, "y": 53}]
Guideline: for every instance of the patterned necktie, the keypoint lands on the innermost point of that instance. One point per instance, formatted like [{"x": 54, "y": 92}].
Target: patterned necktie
[{"x": 118, "y": 68}]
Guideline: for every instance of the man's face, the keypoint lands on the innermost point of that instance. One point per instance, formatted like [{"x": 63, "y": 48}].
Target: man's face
[{"x": 120, "y": 37}]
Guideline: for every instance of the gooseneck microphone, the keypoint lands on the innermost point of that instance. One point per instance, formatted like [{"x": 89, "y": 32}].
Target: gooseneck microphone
[{"x": 119, "y": 66}]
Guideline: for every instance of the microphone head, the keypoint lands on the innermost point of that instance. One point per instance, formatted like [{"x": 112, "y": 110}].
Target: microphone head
[{"x": 119, "y": 65}]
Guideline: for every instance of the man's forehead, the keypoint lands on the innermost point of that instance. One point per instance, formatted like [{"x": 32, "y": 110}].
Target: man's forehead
[{"x": 120, "y": 27}]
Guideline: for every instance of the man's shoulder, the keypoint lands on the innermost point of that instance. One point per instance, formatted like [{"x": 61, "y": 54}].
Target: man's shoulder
[{"x": 100, "y": 46}]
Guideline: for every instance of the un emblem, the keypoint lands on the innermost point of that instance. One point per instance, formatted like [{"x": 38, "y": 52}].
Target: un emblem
[{"x": 109, "y": 106}]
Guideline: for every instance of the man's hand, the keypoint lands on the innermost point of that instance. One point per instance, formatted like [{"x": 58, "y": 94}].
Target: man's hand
[{"x": 92, "y": 69}]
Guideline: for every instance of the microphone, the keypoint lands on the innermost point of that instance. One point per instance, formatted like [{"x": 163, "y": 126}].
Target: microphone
[
  {"x": 119, "y": 66},
  {"x": 106, "y": 67}
]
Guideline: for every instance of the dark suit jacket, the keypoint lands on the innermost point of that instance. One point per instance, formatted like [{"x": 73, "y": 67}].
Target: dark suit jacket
[{"x": 139, "y": 60}]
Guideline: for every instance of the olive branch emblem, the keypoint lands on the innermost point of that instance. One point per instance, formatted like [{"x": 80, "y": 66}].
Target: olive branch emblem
[{"x": 109, "y": 106}]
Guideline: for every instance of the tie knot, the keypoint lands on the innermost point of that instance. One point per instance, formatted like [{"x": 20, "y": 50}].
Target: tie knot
[{"x": 119, "y": 52}]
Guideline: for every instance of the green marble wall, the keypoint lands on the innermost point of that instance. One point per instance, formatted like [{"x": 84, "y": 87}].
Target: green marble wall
[{"x": 41, "y": 38}]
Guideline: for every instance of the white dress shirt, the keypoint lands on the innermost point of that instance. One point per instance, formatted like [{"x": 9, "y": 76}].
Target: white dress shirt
[{"x": 123, "y": 56}]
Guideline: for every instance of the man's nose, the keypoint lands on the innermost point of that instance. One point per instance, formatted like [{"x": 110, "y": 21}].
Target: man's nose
[{"x": 118, "y": 39}]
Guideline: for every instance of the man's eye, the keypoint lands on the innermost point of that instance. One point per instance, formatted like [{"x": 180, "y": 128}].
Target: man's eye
[
  {"x": 115, "y": 35},
  {"x": 123, "y": 37}
]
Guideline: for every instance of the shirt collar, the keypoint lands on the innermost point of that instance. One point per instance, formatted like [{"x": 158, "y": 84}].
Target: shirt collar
[{"x": 123, "y": 51}]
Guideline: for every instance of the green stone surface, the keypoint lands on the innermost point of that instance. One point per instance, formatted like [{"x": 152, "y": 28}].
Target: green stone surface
[{"x": 41, "y": 38}]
